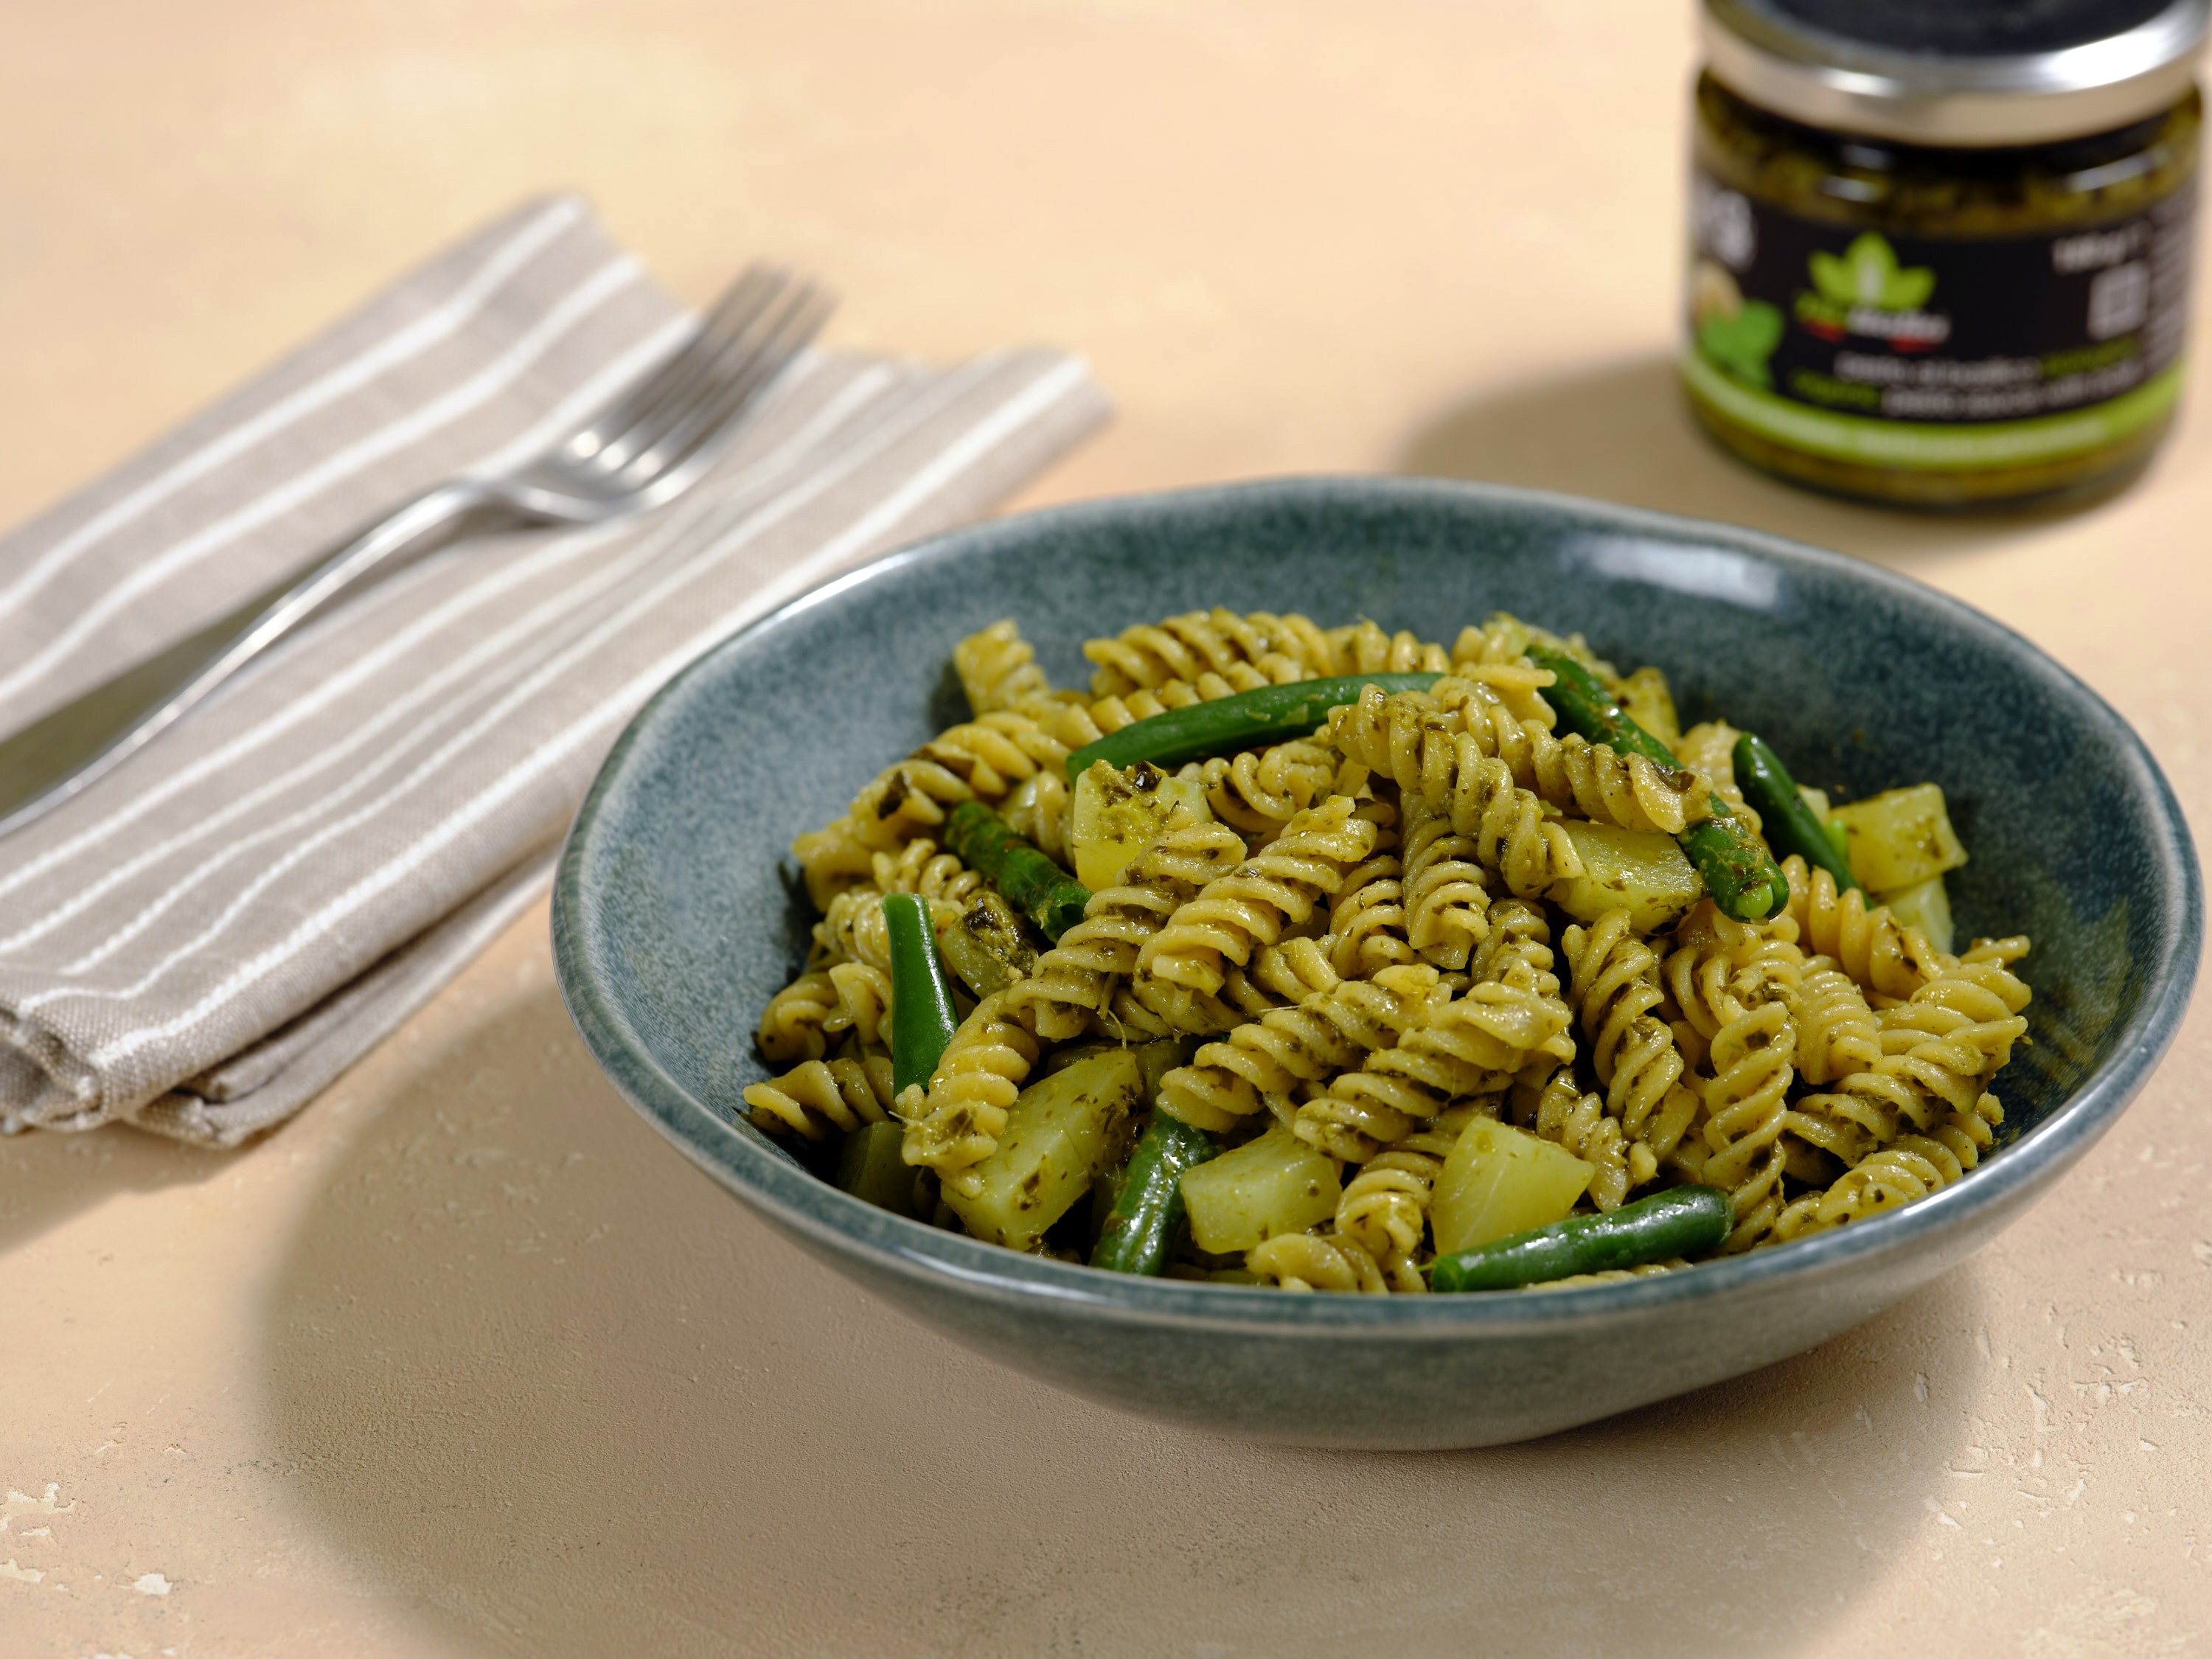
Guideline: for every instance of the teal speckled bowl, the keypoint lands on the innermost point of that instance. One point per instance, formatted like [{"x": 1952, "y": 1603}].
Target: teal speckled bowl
[{"x": 676, "y": 915}]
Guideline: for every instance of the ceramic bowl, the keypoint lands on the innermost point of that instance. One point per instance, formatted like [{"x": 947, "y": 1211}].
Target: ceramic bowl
[{"x": 676, "y": 915}]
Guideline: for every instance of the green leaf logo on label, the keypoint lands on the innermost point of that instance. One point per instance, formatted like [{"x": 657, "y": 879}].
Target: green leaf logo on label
[
  {"x": 1742, "y": 341},
  {"x": 1867, "y": 275}
]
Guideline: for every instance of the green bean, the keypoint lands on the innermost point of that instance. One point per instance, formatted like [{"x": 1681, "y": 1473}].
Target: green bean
[
  {"x": 1839, "y": 838},
  {"x": 1680, "y": 1221},
  {"x": 1148, "y": 1211},
  {"x": 1267, "y": 715},
  {"x": 1791, "y": 824},
  {"x": 1739, "y": 872},
  {"x": 1030, "y": 881},
  {"x": 923, "y": 1018}
]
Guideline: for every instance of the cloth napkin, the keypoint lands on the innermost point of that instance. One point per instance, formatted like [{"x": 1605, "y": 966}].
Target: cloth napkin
[{"x": 205, "y": 937}]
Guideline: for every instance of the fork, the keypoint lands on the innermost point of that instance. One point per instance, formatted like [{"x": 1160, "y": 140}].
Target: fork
[{"x": 653, "y": 441}]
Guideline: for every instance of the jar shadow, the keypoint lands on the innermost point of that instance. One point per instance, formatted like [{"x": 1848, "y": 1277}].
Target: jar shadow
[
  {"x": 561, "y": 1396},
  {"x": 1621, "y": 432}
]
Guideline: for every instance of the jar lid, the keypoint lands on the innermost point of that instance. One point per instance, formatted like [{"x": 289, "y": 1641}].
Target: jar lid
[{"x": 1957, "y": 72}]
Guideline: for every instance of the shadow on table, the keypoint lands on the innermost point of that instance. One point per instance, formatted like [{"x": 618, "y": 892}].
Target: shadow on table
[
  {"x": 1620, "y": 432},
  {"x": 564, "y": 1396},
  {"x": 46, "y": 1177}
]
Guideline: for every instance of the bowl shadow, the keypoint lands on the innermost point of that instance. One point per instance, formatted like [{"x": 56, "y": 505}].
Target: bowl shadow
[
  {"x": 562, "y": 1396},
  {"x": 1620, "y": 432}
]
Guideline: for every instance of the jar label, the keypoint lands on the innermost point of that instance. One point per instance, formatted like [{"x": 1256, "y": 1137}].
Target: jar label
[{"x": 1936, "y": 353}]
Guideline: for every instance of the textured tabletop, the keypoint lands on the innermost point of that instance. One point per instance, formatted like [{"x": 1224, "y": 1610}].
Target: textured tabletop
[{"x": 465, "y": 1362}]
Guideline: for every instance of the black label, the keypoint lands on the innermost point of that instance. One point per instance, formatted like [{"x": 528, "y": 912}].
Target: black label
[{"x": 1953, "y": 331}]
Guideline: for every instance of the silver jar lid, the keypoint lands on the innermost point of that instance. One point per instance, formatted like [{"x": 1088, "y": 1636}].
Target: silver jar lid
[{"x": 1957, "y": 72}]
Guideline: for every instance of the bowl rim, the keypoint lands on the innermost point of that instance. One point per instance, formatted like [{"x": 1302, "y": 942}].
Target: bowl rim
[{"x": 776, "y": 1184}]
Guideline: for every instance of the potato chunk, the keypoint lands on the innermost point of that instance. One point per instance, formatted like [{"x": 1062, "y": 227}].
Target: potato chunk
[
  {"x": 985, "y": 945},
  {"x": 1900, "y": 837},
  {"x": 1116, "y": 815},
  {"x": 1927, "y": 906},
  {"x": 1060, "y": 1133},
  {"x": 1275, "y": 1185},
  {"x": 1648, "y": 874},
  {"x": 1497, "y": 1180}
]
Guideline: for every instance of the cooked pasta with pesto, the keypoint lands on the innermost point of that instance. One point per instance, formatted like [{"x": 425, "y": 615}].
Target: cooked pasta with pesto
[{"x": 1337, "y": 960}]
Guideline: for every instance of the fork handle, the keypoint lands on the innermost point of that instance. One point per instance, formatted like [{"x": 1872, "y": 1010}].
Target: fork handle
[{"x": 58, "y": 754}]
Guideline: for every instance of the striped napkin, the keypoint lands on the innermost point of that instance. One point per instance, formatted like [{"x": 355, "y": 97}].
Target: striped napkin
[{"x": 210, "y": 933}]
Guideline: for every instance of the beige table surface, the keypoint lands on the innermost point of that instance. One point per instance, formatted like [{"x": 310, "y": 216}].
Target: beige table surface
[{"x": 464, "y": 1361}]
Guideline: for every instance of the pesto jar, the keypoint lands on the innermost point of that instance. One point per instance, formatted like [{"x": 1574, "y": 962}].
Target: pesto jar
[{"x": 1940, "y": 249}]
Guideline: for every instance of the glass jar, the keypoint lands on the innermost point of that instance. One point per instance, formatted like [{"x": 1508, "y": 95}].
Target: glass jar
[{"x": 1940, "y": 249}]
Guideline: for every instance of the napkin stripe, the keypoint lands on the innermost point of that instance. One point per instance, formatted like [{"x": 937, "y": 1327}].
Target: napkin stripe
[
  {"x": 698, "y": 563},
  {"x": 607, "y": 629},
  {"x": 541, "y": 672},
  {"x": 381, "y": 355},
  {"x": 209, "y": 932},
  {"x": 418, "y": 423},
  {"x": 556, "y": 551},
  {"x": 1026, "y": 404}
]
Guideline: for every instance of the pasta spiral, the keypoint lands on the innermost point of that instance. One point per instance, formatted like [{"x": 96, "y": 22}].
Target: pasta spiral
[
  {"x": 1911, "y": 1167},
  {"x": 964, "y": 1111},
  {"x": 1613, "y": 986},
  {"x": 1385, "y": 1207},
  {"x": 1939, "y": 1049},
  {"x": 1868, "y": 944},
  {"x": 1281, "y": 976},
  {"x": 921, "y": 867},
  {"x": 1572, "y": 773},
  {"x": 994, "y": 753},
  {"x": 1038, "y": 810},
  {"x": 1230, "y": 1079},
  {"x": 791, "y": 1025},
  {"x": 1404, "y": 736},
  {"x": 852, "y": 927},
  {"x": 1709, "y": 749},
  {"x": 832, "y": 859},
  {"x": 998, "y": 669},
  {"x": 1218, "y": 642},
  {"x": 1836, "y": 1030},
  {"x": 1317, "y": 1261},
  {"x": 1447, "y": 904},
  {"x": 907, "y": 799},
  {"x": 1367, "y": 922},
  {"x": 1562, "y": 1113},
  {"x": 1840, "y": 1044},
  {"x": 1731, "y": 979},
  {"x": 1471, "y": 1045},
  {"x": 1074, "y": 980},
  {"x": 1181, "y": 968},
  {"x": 1261, "y": 791},
  {"x": 864, "y": 1002},
  {"x": 1017, "y": 750},
  {"x": 819, "y": 1096},
  {"x": 1363, "y": 647},
  {"x": 1746, "y": 1102}
]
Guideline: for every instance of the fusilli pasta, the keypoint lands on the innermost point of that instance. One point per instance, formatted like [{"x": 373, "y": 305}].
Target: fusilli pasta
[
  {"x": 818, "y": 1097},
  {"x": 1354, "y": 943},
  {"x": 1429, "y": 753},
  {"x": 1181, "y": 970}
]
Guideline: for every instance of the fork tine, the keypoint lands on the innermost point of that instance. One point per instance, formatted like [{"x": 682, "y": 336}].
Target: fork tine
[
  {"x": 740, "y": 373},
  {"x": 755, "y": 290},
  {"x": 802, "y": 323},
  {"x": 728, "y": 353}
]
